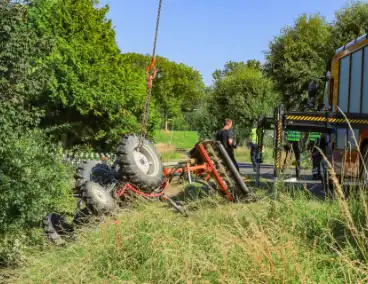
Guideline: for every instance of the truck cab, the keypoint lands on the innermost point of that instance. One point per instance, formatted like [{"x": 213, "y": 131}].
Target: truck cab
[{"x": 348, "y": 93}]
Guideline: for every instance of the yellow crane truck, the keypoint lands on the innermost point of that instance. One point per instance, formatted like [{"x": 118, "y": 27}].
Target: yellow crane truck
[{"x": 346, "y": 99}]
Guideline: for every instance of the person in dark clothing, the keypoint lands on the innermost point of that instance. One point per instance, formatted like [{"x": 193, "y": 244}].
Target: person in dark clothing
[
  {"x": 225, "y": 136},
  {"x": 314, "y": 139},
  {"x": 293, "y": 139}
]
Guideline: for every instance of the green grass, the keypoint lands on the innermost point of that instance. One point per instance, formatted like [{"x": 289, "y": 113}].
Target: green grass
[
  {"x": 172, "y": 156},
  {"x": 242, "y": 154},
  {"x": 181, "y": 139},
  {"x": 293, "y": 240}
]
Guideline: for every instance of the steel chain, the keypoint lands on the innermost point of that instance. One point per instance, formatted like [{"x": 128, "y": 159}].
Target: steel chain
[{"x": 150, "y": 78}]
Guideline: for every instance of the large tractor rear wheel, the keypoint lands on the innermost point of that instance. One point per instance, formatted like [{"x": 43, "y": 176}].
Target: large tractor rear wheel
[{"x": 141, "y": 167}]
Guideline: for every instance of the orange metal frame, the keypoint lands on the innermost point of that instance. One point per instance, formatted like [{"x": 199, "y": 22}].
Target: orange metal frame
[{"x": 206, "y": 167}]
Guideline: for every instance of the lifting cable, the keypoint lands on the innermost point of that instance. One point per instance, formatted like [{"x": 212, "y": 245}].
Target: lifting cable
[{"x": 151, "y": 74}]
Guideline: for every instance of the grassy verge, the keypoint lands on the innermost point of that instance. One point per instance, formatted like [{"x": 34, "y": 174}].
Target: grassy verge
[{"x": 288, "y": 241}]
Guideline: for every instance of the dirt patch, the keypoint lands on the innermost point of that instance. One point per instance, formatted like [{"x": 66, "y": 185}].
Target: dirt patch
[
  {"x": 174, "y": 189},
  {"x": 164, "y": 147}
]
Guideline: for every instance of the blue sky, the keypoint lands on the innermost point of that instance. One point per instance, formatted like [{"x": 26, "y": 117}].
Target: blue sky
[{"x": 205, "y": 34}]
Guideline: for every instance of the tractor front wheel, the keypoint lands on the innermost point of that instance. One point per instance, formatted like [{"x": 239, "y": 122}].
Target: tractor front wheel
[{"x": 97, "y": 198}]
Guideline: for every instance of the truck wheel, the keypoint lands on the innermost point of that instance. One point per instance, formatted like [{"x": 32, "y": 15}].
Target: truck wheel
[
  {"x": 97, "y": 198},
  {"x": 55, "y": 227},
  {"x": 142, "y": 167}
]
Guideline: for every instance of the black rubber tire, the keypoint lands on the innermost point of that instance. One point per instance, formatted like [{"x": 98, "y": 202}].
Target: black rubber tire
[
  {"x": 132, "y": 166},
  {"x": 82, "y": 216},
  {"x": 97, "y": 199},
  {"x": 92, "y": 171},
  {"x": 56, "y": 228}
]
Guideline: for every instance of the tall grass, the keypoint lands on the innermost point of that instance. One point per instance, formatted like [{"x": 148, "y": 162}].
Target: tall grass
[{"x": 292, "y": 240}]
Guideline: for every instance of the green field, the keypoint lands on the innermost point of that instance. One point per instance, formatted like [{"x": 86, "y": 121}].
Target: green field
[{"x": 181, "y": 139}]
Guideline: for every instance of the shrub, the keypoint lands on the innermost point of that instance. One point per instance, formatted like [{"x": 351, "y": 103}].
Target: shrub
[{"x": 33, "y": 182}]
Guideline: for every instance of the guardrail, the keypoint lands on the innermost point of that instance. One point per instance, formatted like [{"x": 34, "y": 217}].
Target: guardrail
[{"x": 76, "y": 159}]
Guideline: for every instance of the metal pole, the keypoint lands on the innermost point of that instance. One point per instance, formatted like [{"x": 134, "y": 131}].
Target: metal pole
[
  {"x": 260, "y": 132},
  {"x": 172, "y": 133},
  {"x": 279, "y": 115}
]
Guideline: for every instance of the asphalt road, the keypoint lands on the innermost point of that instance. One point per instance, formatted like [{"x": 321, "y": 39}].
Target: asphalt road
[{"x": 267, "y": 179}]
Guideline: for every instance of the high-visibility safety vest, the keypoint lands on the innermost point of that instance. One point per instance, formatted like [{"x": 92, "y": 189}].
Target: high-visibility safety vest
[
  {"x": 313, "y": 136},
  {"x": 293, "y": 135},
  {"x": 253, "y": 136}
]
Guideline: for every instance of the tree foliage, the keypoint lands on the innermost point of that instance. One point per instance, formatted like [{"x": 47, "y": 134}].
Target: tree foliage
[
  {"x": 243, "y": 94},
  {"x": 350, "y": 23},
  {"x": 90, "y": 86},
  {"x": 297, "y": 56},
  {"x": 22, "y": 77},
  {"x": 176, "y": 89},
  {"x": 32, "y": 180},
  {"x": 231, "y": 66}
]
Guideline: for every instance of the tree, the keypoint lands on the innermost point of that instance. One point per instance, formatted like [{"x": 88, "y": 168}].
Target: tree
[
  {"x": 176, "y": 89},
  {"x": 297, "y": 56},
  {"x": 90, "y": 86},
  {"x": 231, "y": 66},
  {"x": 350, "y": 23},
  {"x": 22, "y": 76},
  {"x": 243, "y": 95}
]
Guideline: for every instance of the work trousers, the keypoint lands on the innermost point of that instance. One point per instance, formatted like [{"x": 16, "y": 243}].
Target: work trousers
[
  {"x": 230, "y": 152},
  {"x": 253, "y": 154},
  {"x": 316, "y": 159},
  {"x": 295, "y": 146}
]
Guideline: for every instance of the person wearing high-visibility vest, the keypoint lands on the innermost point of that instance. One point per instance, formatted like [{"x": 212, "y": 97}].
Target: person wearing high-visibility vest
[
  {"x": 293, "y": 138},
  {"x": 314, "y": 138},
  {"x": 253, "y": 147}
]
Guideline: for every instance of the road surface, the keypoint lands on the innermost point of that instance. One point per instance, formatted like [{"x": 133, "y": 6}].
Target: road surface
[{"x": 267, "y": 179}]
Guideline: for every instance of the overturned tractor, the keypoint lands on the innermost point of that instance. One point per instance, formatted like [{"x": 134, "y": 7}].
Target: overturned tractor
[{"x": 139, "y": 172}]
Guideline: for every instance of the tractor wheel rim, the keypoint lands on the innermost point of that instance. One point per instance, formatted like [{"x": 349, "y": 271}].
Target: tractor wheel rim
[
  {"x": 146, "y": 160},
  {"x": 101, "y": 194}
]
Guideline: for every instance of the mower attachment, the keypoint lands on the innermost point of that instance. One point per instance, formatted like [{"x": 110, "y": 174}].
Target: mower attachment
[{"x": 209, "y": 159}]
